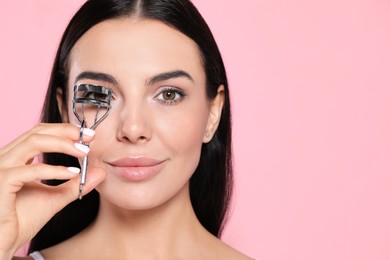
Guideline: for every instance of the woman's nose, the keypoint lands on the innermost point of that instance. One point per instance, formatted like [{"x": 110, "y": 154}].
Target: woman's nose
[{"x": 134, "y": 125}]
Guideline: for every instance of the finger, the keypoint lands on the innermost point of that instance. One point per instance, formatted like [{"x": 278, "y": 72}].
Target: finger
[
  {"x": 50, "y": 199},
  {"x": 69, "y": 191},
  {"x": 12, "y": 180},
  {"x": 40, "y": 143},
  {"x": 65, "y": 130}
]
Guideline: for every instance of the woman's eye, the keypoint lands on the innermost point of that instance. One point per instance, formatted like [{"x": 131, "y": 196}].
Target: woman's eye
[
  {"x": 170, "y": 96},
  {"x": 96, "y": 96}
]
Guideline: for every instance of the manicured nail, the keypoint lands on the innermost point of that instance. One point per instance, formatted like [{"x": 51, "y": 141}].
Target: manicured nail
[
  {"x": 81, "y": 147},
  {"x": 73, "y": 170},
  {"x": 89, "y": 132}
]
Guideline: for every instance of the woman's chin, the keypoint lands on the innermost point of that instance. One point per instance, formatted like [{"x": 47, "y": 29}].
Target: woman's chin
[
  {"x": 132, "y": 197},
  {"x": 129, "y": 200}
]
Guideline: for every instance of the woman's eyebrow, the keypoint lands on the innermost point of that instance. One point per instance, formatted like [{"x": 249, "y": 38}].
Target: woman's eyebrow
[
  {"x": 96, "y": 76},
  {"x": 168, "y": 75}
]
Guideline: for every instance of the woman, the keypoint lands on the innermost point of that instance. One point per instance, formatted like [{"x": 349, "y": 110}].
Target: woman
[{"x": 160, "y": 162}]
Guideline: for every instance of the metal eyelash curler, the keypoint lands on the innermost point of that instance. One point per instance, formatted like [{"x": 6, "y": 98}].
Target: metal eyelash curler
[{"x": 88, "y": 102}]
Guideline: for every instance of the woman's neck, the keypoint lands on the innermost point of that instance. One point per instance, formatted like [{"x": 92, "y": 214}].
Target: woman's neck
[{"x": 167, "y": 231}]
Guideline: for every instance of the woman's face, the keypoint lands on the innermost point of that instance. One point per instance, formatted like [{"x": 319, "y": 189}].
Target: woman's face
[{"x": 150, "y": 143}]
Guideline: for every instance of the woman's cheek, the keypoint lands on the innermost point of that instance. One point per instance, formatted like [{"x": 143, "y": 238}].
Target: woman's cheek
[{"x": 182, "y": 131}]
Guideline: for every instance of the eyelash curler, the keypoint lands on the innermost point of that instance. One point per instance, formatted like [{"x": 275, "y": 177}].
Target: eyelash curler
[{"x": 88, "y": 102}]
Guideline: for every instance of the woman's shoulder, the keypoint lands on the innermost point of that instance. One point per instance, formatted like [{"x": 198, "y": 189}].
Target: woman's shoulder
[
  {"x": 206, "y": 248},
  {"x": 218, "y": 249},
  {"x": 231, "y": 253},
  {"x": 223, "y": 250}
]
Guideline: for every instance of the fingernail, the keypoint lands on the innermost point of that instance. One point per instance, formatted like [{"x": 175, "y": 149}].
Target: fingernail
[
  {"x": 73, "y": 170},
  {"x": 81, "y": 147},
  {"x": 89, "y": 132}
]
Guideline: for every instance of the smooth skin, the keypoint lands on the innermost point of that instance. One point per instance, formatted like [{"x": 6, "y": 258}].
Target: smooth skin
[{"x": 163, "y": 118}]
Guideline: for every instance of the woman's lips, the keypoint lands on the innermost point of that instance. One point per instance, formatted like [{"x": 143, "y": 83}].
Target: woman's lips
[{"x": 136, "y": 168}]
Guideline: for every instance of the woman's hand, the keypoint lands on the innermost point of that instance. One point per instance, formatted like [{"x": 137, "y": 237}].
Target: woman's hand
[{"x": 26, "y": 204}]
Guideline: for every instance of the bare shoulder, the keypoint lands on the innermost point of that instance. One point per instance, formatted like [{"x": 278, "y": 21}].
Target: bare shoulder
[
  {"x": 60, "y": 251},
  {"x": 220, "y": 250},
  {"x": 228, "y": 252}
]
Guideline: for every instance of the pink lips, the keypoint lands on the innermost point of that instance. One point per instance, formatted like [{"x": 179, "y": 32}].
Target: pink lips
[{"x": 136, "y": 168}]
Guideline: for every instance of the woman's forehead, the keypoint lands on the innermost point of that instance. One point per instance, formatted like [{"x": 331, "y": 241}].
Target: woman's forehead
[{"x": 133, "y": 45}]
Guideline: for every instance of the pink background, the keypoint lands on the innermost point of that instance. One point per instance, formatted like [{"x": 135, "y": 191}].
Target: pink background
[{"x": 310, "y": 83}]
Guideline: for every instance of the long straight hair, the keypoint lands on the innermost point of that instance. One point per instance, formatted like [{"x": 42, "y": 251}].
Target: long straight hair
[{"x": 211, "y": 183}]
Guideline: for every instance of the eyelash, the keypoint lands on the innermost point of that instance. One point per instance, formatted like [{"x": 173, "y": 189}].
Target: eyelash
[
  {"x": 87, "y": 94},
  {"x": 174, "y": 91},
  {"x": 92, "y": 95}
]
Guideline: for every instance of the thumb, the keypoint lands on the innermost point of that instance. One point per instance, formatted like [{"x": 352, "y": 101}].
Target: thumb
[{"x": 69, "y": 191}]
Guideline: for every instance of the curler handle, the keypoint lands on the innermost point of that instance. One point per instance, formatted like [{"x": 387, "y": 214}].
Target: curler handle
[
  {"x": 84, "y": 170},
  {"x": 83, "y": 176}
]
